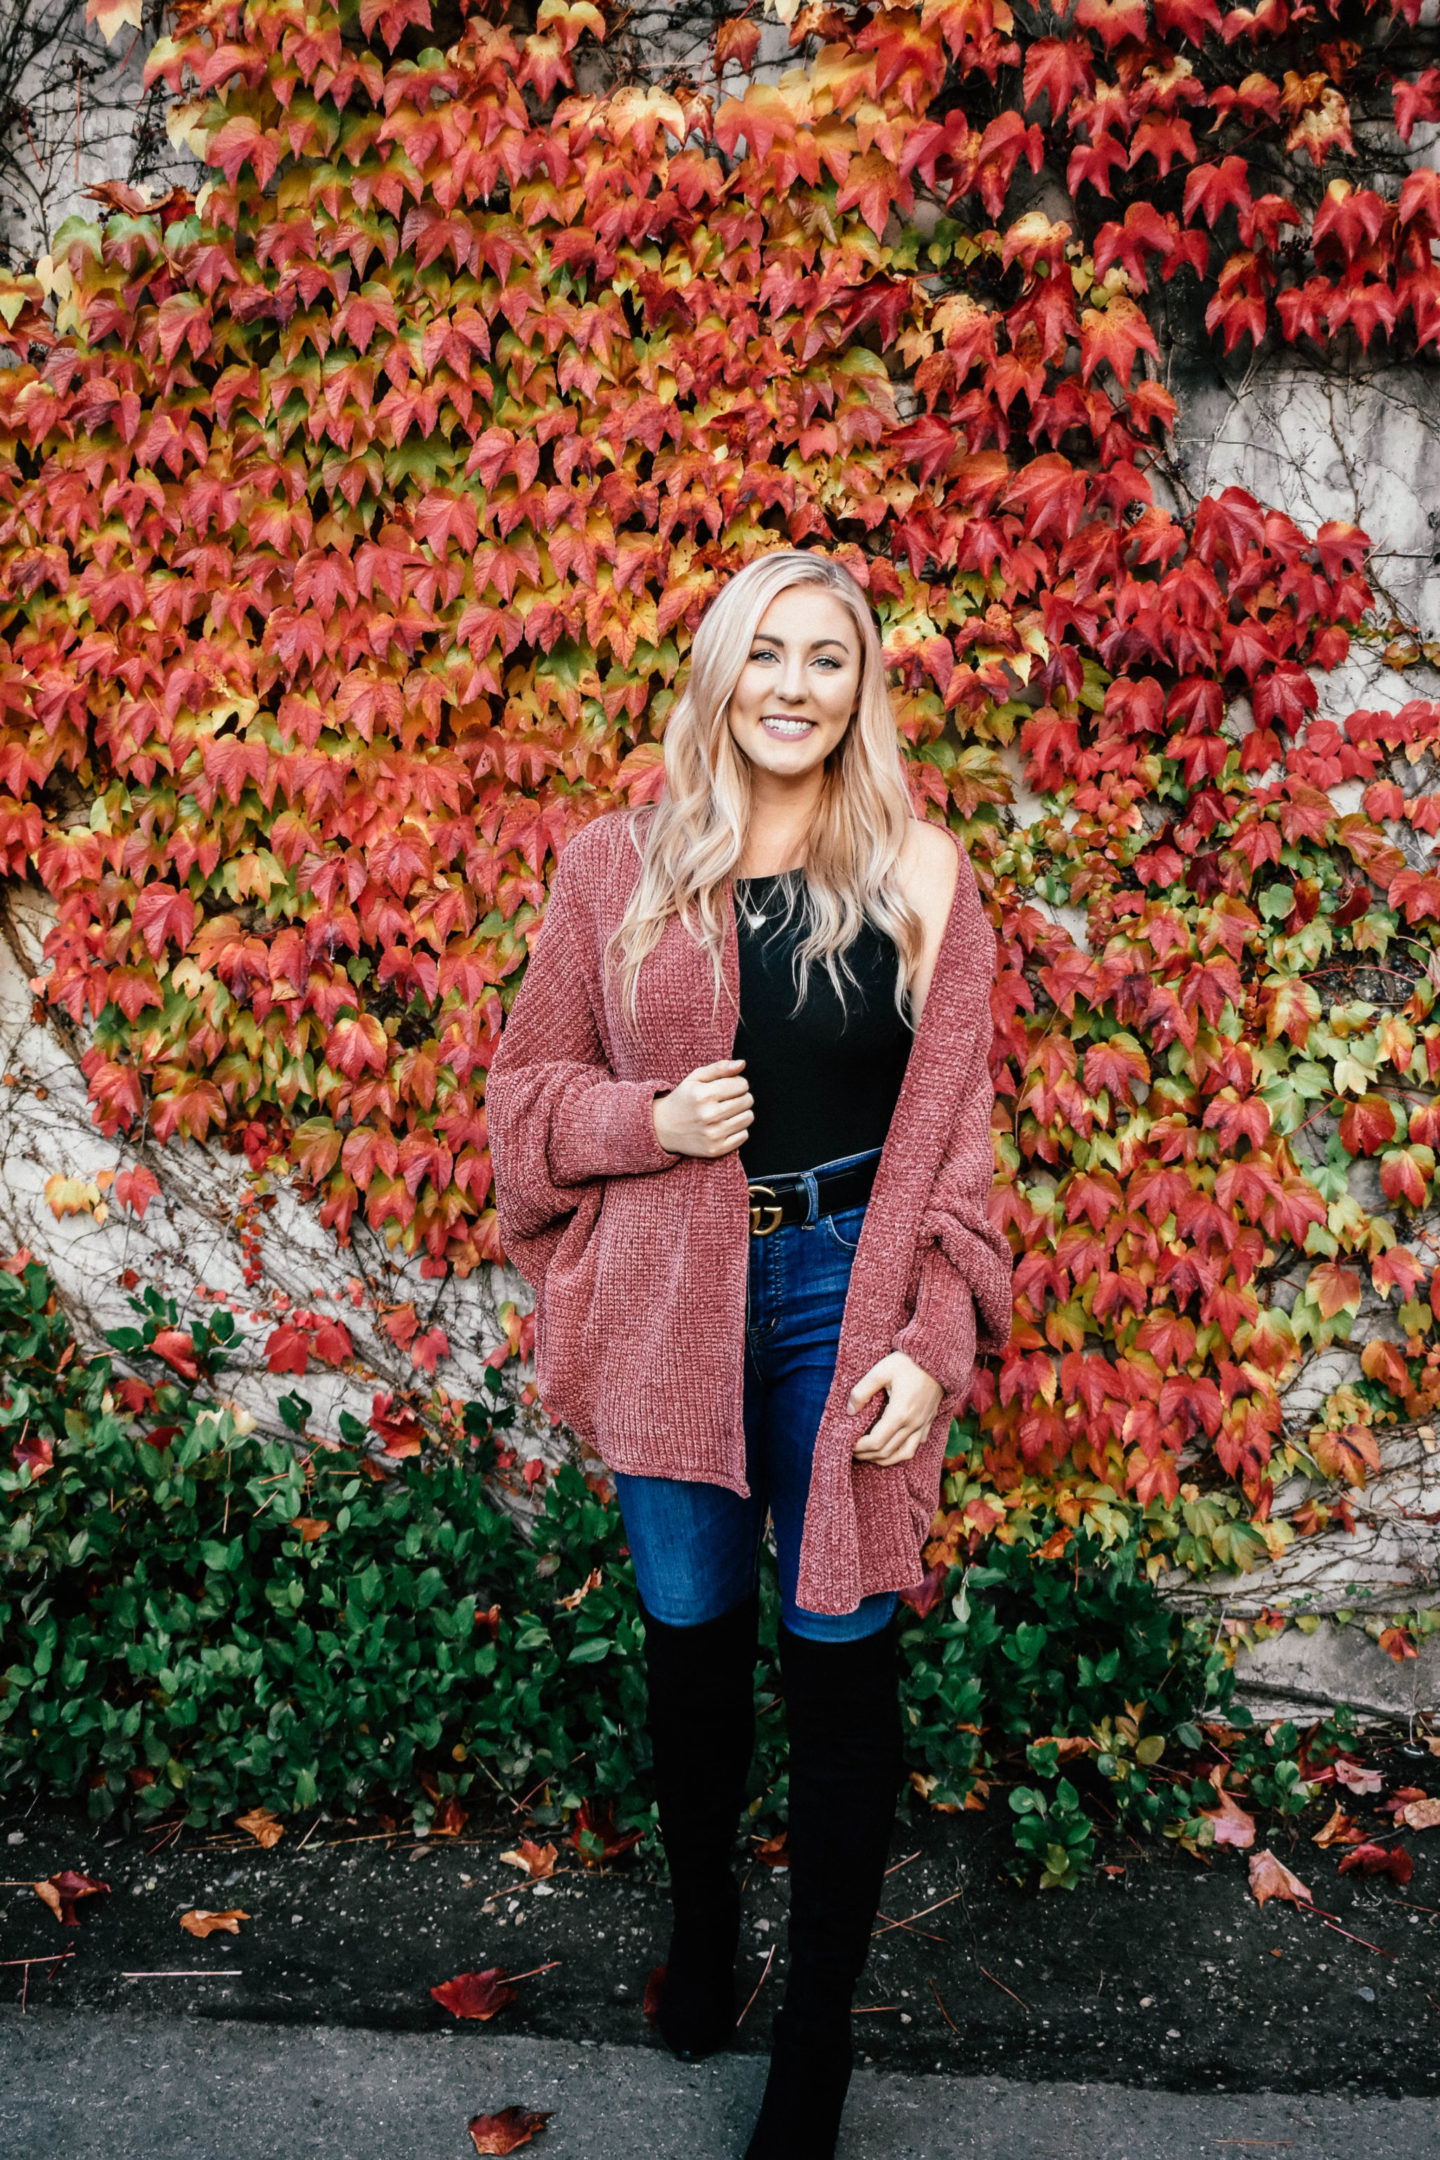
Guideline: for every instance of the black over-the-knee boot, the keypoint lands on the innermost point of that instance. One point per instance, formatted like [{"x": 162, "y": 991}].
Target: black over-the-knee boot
[
  {"x": 702, "y": 1730},
  {"x": 842, "y": 1708}
]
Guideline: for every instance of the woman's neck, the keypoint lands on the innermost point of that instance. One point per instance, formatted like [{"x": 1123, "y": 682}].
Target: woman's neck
[{"x": 782, "y": 817}]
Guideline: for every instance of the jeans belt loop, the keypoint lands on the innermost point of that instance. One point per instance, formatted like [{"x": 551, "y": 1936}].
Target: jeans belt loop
[{"x": 812, "y": 1199}]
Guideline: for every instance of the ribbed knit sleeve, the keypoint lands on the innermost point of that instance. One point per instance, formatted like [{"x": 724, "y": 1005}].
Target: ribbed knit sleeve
[
  {"x": 963, "y": 1294},
  {"x": 558, "y": 1118}
]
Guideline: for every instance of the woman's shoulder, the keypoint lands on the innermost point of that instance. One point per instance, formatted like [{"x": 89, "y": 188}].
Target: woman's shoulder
[
  {"x": 929, "y": 870},
  {"x": 604, "y": 846}
]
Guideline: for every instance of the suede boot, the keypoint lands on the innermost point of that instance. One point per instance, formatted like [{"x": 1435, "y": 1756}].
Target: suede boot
[
  {"x": 702, "y": 1731},
  {"x": 842, "y": 1708}
]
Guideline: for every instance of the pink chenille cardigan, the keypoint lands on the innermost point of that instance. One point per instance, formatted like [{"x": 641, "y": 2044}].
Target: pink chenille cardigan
[{"x": 639, "y": 1258}]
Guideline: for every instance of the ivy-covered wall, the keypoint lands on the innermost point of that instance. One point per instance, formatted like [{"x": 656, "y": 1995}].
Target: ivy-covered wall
[{"x": 358, "y": 511}]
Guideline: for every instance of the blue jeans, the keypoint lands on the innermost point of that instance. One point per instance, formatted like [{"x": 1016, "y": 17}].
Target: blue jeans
[{"x": 696, "y": 1547}]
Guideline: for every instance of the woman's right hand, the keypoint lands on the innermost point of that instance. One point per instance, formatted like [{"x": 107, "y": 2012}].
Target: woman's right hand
[{"x": 708, "y": 1114}]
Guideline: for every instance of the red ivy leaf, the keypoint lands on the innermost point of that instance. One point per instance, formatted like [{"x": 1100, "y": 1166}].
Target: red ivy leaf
[
  {"x": 288, "y": 1350},
  {"x": 136, "y": 1188},
  {"x": 177, "y": 1350}
]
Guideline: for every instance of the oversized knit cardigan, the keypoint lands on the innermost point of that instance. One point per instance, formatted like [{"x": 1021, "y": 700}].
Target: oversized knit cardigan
[{"x": 639, "y": 1258}]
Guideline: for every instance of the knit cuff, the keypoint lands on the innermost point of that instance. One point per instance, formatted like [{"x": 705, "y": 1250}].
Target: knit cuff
[
  {"x": 608, "y": 1130},
  {"x": 940, "y": 1335}
]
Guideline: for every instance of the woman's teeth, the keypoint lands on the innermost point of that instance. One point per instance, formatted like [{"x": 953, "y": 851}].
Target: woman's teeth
[{"x": 792, "y": 730}]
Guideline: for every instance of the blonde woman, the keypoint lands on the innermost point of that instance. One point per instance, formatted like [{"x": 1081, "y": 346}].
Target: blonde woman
[{"x": 740, "y": 1122}]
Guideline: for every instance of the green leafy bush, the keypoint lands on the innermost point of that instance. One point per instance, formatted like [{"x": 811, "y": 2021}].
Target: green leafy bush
[
  {"x": 1030, "y": 1652},
  {"x": 194, "y": 1614}
]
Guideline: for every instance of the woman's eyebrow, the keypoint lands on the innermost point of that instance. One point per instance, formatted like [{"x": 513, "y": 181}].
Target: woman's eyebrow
[{"x": 765, "y": 638}]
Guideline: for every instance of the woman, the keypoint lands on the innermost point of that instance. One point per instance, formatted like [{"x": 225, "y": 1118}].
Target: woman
[{"x": 740, "y": 1122}]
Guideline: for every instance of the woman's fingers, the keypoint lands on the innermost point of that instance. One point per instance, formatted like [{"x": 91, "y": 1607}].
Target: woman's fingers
[
  {"x": 708, "y": 1113},
  {"x": 721, "y": 1116},
  {"x": 870, "y": 1383},
  {"x": 898, "y": 1450},
  {"x": 891, "y": 1427},
  {"x": 726, "y": 1098},
  {"x": 724, "y": 1122},
  {"x": 885, "y": 1433},
  {"x": 723, "y": 1134},
  {"x": 720, "y": 1070},
  {"x": 911, "y": 1399},
  {"x": 724, "y": 1105}
]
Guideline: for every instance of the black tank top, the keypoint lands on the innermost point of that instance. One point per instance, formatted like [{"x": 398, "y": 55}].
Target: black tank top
[{"x": 825, "y": 1079}]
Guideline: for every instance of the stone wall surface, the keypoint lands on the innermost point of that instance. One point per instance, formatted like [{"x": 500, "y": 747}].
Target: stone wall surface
[
  {"x": 74, "y": 112},
  {"x": 188, "y": 1244}
]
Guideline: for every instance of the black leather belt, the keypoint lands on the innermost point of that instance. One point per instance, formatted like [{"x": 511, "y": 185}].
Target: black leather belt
[{"x": 776, "y": 1201}]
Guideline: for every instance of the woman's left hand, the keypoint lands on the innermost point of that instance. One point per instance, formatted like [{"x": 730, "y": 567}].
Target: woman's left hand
[{"x": 907, "y": 1416}]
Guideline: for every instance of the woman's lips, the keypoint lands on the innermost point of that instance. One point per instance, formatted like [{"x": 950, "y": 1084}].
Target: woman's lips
[{"x": 785, "y": 729}]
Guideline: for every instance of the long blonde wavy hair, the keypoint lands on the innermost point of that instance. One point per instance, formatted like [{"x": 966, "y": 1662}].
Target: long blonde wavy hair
[{"x": 692, "y": 838}]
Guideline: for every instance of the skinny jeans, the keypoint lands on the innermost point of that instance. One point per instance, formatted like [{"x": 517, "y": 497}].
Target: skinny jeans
[{"x": 696, "y": 1546}]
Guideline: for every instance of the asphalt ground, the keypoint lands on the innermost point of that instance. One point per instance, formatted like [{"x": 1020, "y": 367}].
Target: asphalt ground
[
  {"x": 1155, "y": 2010},
  {"x": 149, "y": 2088}
]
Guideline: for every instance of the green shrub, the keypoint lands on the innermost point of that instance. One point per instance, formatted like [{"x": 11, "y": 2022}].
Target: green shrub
[
  {"x": 196, "y": 1614},
  {"x": 1036, "y": 1651}
]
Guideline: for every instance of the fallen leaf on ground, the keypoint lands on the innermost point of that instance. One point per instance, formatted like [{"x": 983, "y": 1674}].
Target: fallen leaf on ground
[
  {"x": 475, "y": 1995},
  {"x": 1419, "y": 1814},
  {"x": 1231, "y": 1823},
  {"x": 654, "y": 1989},
  {"x": 310, "y": 1527},
  {"x": 595, "y": 1837},
  {"x": 61, "y": 1892},
  {"x": 1356, "y": 1777},
  {"x": 1402, "y": 1797},
  {"x": 773, "y": 1851},
  {"x": 199, "y": 1922},
  {"x": 449, "y": 1818},
  {"x": 1269, "y": 1877},
  {"x": 538, "y": 1861},
  {"x": 507, "y": 2131},
  {"x": 1341, "y": 1829},
  {"x": 1392, "y": 1860},
  {"x": 265, "y": 1828}
]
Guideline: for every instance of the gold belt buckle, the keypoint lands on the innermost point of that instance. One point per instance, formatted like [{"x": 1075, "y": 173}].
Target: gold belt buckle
[{"x": 758, "y": 1227}]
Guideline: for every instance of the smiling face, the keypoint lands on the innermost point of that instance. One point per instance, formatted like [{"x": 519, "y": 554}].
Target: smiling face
[{"x": 797, "y": 689}]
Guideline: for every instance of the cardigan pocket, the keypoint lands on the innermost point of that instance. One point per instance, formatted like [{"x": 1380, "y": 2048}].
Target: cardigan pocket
[{"x": 925, "y": 1471}]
